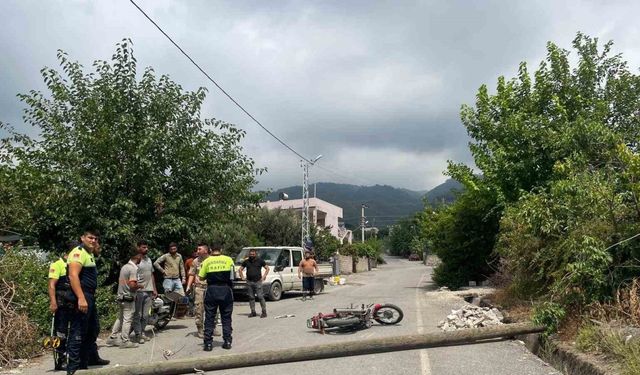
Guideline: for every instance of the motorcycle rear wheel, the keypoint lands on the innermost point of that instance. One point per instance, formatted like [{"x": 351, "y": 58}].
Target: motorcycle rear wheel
[{"x": 388, "y": 314}]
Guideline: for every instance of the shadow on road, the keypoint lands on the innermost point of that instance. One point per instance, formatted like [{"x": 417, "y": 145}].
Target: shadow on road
[{"x": 170, "y": 327}]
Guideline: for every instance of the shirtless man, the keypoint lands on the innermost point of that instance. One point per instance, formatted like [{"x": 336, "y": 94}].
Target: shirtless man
[{"x": 307, "y": 271}]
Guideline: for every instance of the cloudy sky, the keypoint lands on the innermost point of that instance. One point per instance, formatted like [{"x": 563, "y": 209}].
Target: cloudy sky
[{"x": 374, "y": 86}]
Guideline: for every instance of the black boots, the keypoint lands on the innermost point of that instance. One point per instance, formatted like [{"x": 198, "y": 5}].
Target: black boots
[
  {"x": 209, "y": 346},
  {"x": 97, "y": 361},
  {"x": 60, "y": 362}
]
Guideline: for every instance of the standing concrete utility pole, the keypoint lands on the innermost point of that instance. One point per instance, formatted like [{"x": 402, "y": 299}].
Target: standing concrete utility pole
[
  {"x": 305, "y": 198},
  {"x": 362, "y": 222}
]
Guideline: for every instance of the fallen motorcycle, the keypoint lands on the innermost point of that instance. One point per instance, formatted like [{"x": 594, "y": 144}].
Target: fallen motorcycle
[
  {"x": 355, "y": 318},
  {"x": 166, "y": 307}
]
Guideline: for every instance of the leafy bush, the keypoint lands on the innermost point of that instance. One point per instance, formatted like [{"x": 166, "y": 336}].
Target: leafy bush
[
  {"x": 550, "y": 315},
  {"x": 324, "y": 243},
  {"x": 377, "y": 247},
  {"x": 462, "y": 235},
  {"x": 563, "y": 242},
  {"x": 105, "y": 296},
  {"x": 401, "y": 235},
  {"x": 371, "y": 248},
  {"x": 28, "y": 270}
]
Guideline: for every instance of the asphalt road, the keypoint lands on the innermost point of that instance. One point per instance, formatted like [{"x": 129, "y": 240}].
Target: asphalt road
[{"x": 400, "y": 282}]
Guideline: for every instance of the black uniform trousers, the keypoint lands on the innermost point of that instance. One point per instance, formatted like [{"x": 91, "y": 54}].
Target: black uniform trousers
[
  {"x": 61, "y": 325},
  {"x": 81, "y": 345},
  {"x": 218, "y": 296}
]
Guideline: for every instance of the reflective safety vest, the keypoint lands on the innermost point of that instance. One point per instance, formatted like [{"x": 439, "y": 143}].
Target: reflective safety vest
[
  {"x": 89, "y": 272},
  {"x": 58, "y": 271},
  {"x": 218, "y": 269}
]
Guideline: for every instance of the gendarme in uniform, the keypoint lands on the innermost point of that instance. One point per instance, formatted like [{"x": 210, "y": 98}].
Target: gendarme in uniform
[
  {"x": 58, "y": 272},
  {"x": 218, "y": 270},
  {"x": 85, "y": 327}
]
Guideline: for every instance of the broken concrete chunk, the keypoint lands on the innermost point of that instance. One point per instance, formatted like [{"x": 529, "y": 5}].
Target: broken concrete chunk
[{"x": 471, "y": 316}]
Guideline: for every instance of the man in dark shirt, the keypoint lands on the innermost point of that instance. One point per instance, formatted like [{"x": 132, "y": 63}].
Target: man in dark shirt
[{"x": 254, "y": 265}]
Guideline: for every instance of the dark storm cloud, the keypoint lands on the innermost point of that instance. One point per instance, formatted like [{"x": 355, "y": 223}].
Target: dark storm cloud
[{"x": 375, "y": 87}]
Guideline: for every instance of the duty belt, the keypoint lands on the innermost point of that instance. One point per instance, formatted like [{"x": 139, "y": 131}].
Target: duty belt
[{"x": 221, "y": 283}]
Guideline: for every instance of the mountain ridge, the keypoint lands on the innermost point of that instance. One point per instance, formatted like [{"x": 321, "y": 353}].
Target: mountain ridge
[{"x": 386, "y": 204}]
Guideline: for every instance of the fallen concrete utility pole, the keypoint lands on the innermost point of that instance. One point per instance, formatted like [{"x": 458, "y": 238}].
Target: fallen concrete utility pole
[{"x": 342, "y": 349}]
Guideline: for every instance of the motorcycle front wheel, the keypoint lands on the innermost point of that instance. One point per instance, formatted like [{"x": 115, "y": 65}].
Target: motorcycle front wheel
[
  {"x": 161, "y": 323},
  {"x": 388, "y": 314}
]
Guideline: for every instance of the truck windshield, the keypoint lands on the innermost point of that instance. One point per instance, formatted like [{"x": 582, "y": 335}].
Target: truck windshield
[{"x": 269, "y": 255}]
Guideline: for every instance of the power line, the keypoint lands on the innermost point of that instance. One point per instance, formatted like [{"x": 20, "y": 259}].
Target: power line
[
  {"x": 216, "y": 84},
  {"x": 238, "y": 104}
]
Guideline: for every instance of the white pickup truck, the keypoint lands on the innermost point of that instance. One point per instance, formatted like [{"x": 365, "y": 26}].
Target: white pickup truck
[{"x": 283, "y": 264}]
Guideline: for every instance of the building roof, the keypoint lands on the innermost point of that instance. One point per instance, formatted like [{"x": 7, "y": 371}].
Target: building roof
[{"x": 298, "y": 204}]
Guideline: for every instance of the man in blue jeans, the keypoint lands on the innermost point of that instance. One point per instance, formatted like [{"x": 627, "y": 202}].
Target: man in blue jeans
[
  {"x": 171, "y": 266},
  {"x": 145, "y": 295}
]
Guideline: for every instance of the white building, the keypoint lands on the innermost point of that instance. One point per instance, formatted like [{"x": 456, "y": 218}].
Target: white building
[{"x": 321, "y": 213}]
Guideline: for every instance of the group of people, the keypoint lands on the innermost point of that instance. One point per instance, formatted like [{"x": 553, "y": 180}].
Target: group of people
[{"x": 73, "y": 280}]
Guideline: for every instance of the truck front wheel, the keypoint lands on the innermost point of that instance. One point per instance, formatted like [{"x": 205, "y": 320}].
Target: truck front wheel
[{"x": 275, "y": 291}]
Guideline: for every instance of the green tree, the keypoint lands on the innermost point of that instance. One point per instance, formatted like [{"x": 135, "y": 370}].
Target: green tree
[
  {"x": 463, "y": 234},
  {"x": 523, "y": 135},
  {"x": 565, "y": 242},
  {"x": 401, "y": 234},
  {"x": 232, "y": 236},
  {"x": 324, "y": 243},
  {"x": 521, "y": 131},
  {"x": 277, "y": 227},
  {"x": 130, "y": 156}
]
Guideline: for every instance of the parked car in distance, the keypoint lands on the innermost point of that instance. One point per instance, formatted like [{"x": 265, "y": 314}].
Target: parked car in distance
[{"x": 414, "y": 257}]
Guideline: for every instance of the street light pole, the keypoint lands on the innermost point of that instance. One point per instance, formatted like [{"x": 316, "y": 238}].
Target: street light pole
[{"x": 305, "y": 198}]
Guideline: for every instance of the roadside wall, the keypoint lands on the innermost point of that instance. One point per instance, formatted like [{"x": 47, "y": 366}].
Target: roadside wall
[
  {"x": 362, "y": 264},
  {"x": 346, "y": 265}
]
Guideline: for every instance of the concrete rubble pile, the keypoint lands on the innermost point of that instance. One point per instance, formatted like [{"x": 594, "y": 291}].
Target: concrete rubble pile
[{"x": 470, "y": 316}]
